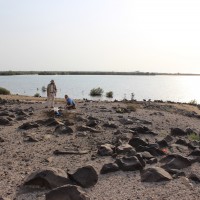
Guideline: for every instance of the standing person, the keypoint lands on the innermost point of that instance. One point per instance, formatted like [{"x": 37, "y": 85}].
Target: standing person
[
  {"x": 51, "y": 93},
  {"x": 70, "y": 103}
]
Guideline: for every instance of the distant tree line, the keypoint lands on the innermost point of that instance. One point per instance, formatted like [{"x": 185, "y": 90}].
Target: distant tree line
[{"x": 10, "y": 73}]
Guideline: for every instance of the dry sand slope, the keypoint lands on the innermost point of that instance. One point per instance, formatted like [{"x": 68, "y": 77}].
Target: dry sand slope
[{"x": 72, "y": 149}]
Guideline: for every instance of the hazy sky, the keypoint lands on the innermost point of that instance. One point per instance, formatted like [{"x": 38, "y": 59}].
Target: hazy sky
[{"x": 100, "y": 35}]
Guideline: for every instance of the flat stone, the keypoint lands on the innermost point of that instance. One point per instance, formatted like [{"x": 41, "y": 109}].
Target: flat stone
[
  {"x": 155, "y": 174},
  {"x": 67, "y": 192},
  {"x": 110, "y": 167}
]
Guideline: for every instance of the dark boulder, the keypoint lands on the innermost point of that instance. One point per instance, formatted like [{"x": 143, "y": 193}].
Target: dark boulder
[
  {"x": 196, "y": 152},
  {"x": 195, "y": 177},
  {"x": 48, "y": 178},
  {"x": 155, "y": 174},
  {"x": 4, "y": 121},
  {"x": 177, "y": 132},
  {"x": 110, "y": 167},
  {"x": 129, "y": 163},
  {"x": 124, "y": 148},
  {"x": 67, "y": 192},
  {"x": 84, "y": 176},
  {"x": 110, "y": 125},
  {"x": 106, "y": 149},
  {"x": 175, "y": 161},
  {"x": 28, "y": 125},
  {"x": 136, "y": 142}
]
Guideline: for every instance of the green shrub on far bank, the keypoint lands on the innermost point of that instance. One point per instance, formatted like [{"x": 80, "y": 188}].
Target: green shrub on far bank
[
  {"x": 193, "y": 102},
  {"x": 109, "y": 94},
  {"x": 4, "y": 91},
  {"x": 96, "y": 91},
  {"x": 37, "y": 95}
]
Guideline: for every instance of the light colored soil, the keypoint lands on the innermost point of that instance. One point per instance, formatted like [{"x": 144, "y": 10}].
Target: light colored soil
[{"x": 19, "y": 158}]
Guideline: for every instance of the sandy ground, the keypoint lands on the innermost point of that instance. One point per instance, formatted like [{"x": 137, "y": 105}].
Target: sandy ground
[{"x": 19, "y": 157}]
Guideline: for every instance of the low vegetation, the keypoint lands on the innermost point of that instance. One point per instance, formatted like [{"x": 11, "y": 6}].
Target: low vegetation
[
  {"x": 4, "y": 91},
  {"x": 193, "y": 137},
  {"x": 96, "y": 91},
  {"x": 37, "y": 95},
  {"x": 193, "y": 102},
  {"x": 109, "y": 94}
]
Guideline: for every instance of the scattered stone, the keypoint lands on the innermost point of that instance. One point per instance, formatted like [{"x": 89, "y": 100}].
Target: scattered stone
[
  {"x": 87, "y": 128},
  {"x": 30, "y": 138},
  {"x": 175, "y": 161},
  {"x": 152, "y": 161},
  {"x": 126, "y": 121},
  {"x": 62, "y": 129},
  {"x": 105, "y": 149},
  {"x": 48, "y": 178},
  {"x": 162, "y": 143},
  {"x": 4, "y": 121},
  {"x": 136, "y": 142},
  {"x": 67, "y": 192},
  {"x": 110, "y": 167},
  {"x": 92, "y": 123},
  {"x": 62, "y": 152},
  {"x": 168, "y": 138},
  {"x": 125, "y": 148},
  {"x": 195, "y": 177},
  {"x": 28, "y": 125},
  {"x": 177, "y": 132},
  {"x": 143, "y": 130},
  {"x": 84, "y": 176},
  {"x": 129, "y": 163},
  {"x": 2, "y": 140},
  {"x": 196, "y": 152},
  {"x": 110, "y": 125},
  {"x": 155, "y": 174}
]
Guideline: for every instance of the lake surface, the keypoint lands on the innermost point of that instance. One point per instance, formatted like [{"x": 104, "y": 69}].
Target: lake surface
[{"x": 173, "y": 88}]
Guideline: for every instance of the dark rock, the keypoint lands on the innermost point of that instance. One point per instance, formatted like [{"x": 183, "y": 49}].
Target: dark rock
[
  {"x": 129, "y": 163},
  {"x": 110, "y": 125},
  {"x": 68, "y": 123},
  {"x": 28, "y": 125},
  {"x": 4, "y": 121},
  {"x": 143, "y": 130},
  {"x": 175, "y": 161},
  {"x": 48, "y": 178},
  {"x": 152, "y": 161},
  {"x": 124, "y": 148},
  {"x": 162, "y": 143},
  {"x": 105, "y": 149},
  {"x": 195, "y": 177},
  {"x": 4, "y": 113},
  {"x": 31, "y": 139},
  {"x": 2, "y": 140},
  {"x": 136, "y": 142},
  {"x": 140, "y": 158},
  {"x": 126, "y": 121},
  {"x": 155, "y": 174},
  {"x": 62, "y": 129},
  {"x": 67, "y": 192},
  {"x": 84, "y": 176},
  {"x": 182, "y": 142},
  {"x": 87, "y": 128},
  {"x": 20, "y": 118},
  {"x": 176, "y": 172},
  {"x": 92, "y": 123},
  {"x": 168, "y": 138},
  {"x": 110, "y": 167},
  {"x": 146, "y": 155},
  {"x": 196, "y": 152},
  {"x": 177, "y": 132},
  {"x": 51, "y": 122}
]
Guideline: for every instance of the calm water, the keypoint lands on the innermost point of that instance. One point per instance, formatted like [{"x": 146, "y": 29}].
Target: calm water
[{"x": 174, "y": 88}]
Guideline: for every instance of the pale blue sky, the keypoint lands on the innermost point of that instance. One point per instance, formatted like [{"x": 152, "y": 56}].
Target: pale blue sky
[{"x": 100, "y": 35}]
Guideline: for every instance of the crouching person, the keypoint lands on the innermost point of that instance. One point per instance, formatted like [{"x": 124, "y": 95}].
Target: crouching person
[{"x": 70, "y": 104}]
